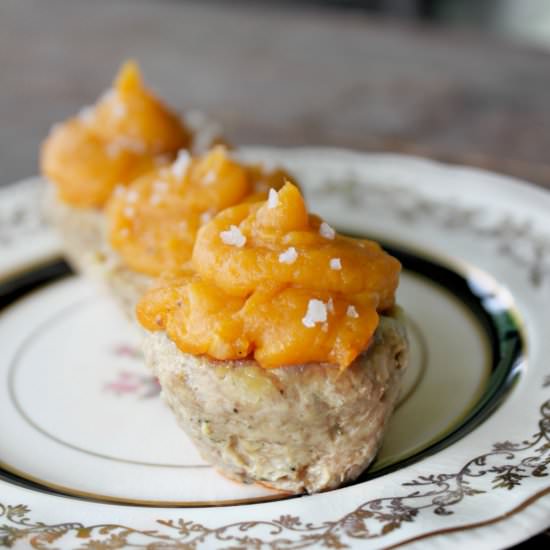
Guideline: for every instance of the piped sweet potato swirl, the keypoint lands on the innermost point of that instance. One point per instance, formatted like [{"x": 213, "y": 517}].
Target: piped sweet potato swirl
[
  {"x": 271, "y": 282},
  {"x": 127, "y": 133},
  {"x": 154, "y": 221}
]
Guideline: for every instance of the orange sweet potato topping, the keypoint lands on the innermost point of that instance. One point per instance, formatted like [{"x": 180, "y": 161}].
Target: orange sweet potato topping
[
  {"x": 272, "y": 282},
  {"x": 154, "y": 221},
  {"x": 127, "y": 133}
]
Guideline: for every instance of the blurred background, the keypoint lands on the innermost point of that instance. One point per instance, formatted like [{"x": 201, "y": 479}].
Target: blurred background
[{"x": 461, "y": 81}]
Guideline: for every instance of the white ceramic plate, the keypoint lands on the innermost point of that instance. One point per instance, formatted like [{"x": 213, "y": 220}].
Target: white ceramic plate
[{"x": 89, "y": 453}]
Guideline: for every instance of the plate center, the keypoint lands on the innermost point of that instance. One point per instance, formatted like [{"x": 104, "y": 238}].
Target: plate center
[
  {"x": 86, "y": 359},
  {"x": 75, "y": 388}
]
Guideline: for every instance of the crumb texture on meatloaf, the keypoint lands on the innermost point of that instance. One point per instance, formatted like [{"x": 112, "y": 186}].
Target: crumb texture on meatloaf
[
  {"x": 305, "y": 428},
  {"x": 82, "y": 232}
]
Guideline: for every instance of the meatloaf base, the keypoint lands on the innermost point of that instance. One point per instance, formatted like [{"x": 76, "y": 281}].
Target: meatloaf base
[
  {"x": 83, "y": 236},
  {"x": 305, "y": 428}
]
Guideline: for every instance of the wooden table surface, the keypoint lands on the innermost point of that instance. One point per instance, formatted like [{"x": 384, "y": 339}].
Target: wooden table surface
[{"x": 281, "y": 77}]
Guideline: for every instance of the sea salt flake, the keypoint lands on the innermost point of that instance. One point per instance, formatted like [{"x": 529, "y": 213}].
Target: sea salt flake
[
  {"x": 324, "y": 327},
  {"x": 209, "y": 178},
  {"x": 160, "y": 186},
  {"x": 233, "y": 237},
  {"x": 288, "y": 256},
  {"x": 206, "y": 136},
  {"x": 124, "y": 232},
  {"x": 335, "y": 264},
  {"x": 330, "y": 305},
  {"x": 132, "y": 196},
  {"x": 205, "y": 217},
  {"x": 179, "y": 168},
  {"x": 316, "y": 313},
  {"x": 119, "y": 109},
  {"x": 129, "y": 212},
  {"x": 120, "y": 190},
  {"x": 273, "y": 199},
  {"x": 326, "y": 231},
  {"x": 352, "y": 312},
  {"x": 155, "y": 199}
]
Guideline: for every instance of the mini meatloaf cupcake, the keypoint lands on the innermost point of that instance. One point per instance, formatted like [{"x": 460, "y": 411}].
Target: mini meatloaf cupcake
[
  {"x": 153, "y": 223},
  {"x": 127, "y": 133},
  {"x": 281, "y": 350}
]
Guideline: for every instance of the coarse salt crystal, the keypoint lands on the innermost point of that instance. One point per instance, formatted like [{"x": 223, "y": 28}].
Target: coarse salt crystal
[
  {"x": 129, "y": 212},
  {"x": 209, "y": 178},
  {"x": 160, "y": 186},
  {"x": 206, "y": 217},
  {"x": 119, "y": 109},
  {"x": 119, "y": 190},
  {"x": 181, "y": 164},
  {"x": 335, "y": 264},
  {"x": 124, "y": 232},
  {"x": 206, "y": 136},
  {"x": 288, "y": 256},
  {"x": 326, "y": 231},
  {"x": 155, "y": 199},
  {"x": 233, "y": 237},
  {"x": 132, "y": 196},
  {"x": 330, "y": 305},
  {"x": 273, "y": 199},
  {"x": 352, "y": 312},
  {"x": 316, "y": 313}
]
